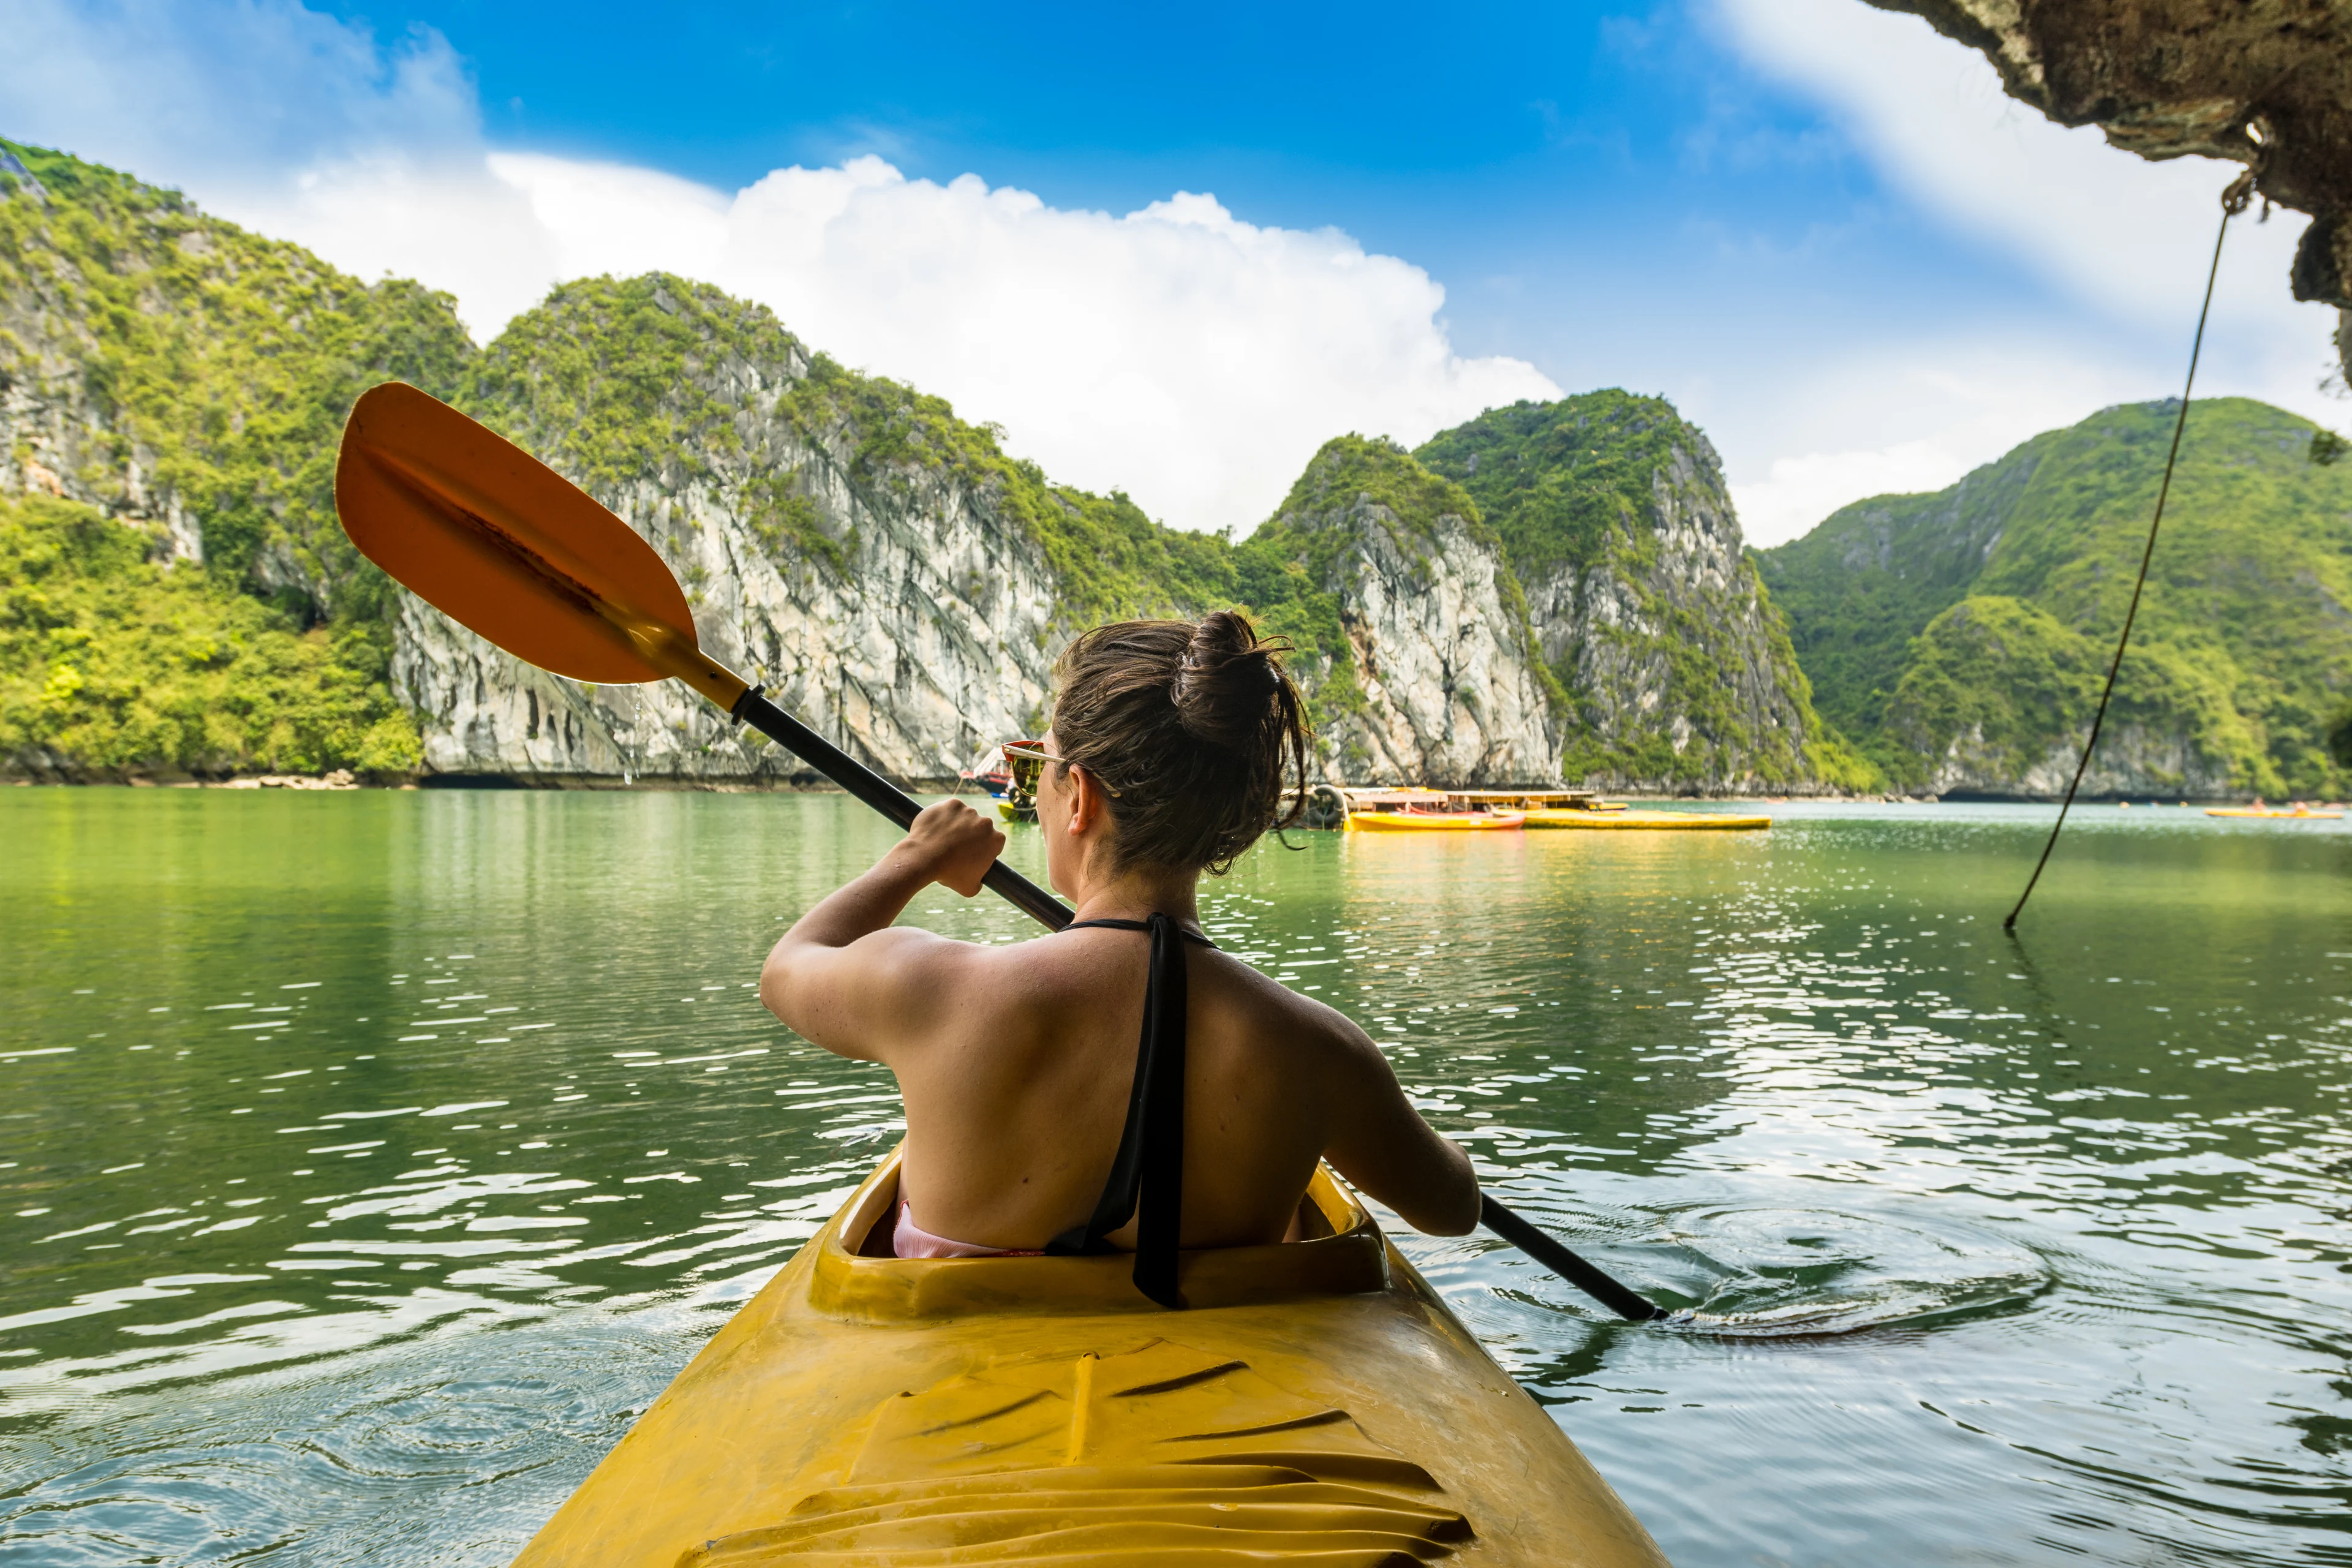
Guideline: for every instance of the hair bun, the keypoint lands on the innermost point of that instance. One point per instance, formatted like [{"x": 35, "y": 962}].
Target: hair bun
[{"x": 1226, "y": 685}]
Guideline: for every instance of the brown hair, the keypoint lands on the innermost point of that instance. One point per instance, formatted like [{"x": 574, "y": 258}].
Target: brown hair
[{"x": 1191, "y": 727}]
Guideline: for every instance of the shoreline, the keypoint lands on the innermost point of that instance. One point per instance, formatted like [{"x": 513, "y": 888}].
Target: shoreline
[{"x": 342, "y": 780}]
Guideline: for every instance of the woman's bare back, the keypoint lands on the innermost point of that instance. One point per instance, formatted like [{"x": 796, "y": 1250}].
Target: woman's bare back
[
  {"x": 1015, "y": 1102},
  {"x": 1016, "y": 1063}
]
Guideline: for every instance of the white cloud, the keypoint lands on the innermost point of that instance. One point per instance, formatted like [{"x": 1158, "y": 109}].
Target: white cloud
[
  {"x": 2125, "y": 241},
  {"x": 1800, "y": 491},
  {"x": 230, "y": 95},
  {"x": 1919, "y": 414},
  {"x": 2121, "y": 234},
  {"x": 1194, "y": 359}
]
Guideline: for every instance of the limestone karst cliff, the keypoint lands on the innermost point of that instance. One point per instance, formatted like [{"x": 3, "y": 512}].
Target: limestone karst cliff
[
  {"x": 838, "y": 543},
  {"x": 899, "y": 583},
  {"x": 1668, "y": 665},
  {"x": 1433, "y": 673},
  {"x": 186, "y": 381},
  {"x": 883, "y": 567},
  {"x": 1962, "y": 637}
]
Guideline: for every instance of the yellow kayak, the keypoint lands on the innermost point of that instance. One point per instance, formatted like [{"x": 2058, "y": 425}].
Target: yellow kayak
[
  {"x": 1317, "y": 1404},
  {"x": 1662, "y": 821},
  {"x": 2272, "y": 811},
  {"x": 1434, "y": 821}
]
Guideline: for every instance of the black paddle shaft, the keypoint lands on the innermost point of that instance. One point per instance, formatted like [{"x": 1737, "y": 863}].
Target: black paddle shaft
[
  {"x": 887, "y": 798},
  {"x": 1625, "y": 1303},
  {"x": 1048, "y": 911}
]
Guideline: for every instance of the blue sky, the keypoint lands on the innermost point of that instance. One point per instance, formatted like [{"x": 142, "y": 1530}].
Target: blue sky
[
  {"x": 1818, "y": 228},
  {"x": 1534, "y": 158}
]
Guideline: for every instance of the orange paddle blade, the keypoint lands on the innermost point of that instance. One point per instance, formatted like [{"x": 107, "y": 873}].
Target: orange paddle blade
[{"x": 506, "y": 546}]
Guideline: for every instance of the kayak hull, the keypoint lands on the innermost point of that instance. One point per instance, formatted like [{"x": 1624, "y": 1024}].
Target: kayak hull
[
  {"x": 1436, "y": 822},
  {"x": 1647, "y": 821},
  {"x": 1318, "y": 1404}
]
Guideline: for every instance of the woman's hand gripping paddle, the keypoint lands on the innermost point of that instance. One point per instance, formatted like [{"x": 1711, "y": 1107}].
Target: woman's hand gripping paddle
[{"x": 507, "y": 547}]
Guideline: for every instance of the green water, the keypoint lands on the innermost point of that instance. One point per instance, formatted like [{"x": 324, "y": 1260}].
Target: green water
[{"x": 367, "y": 1161}]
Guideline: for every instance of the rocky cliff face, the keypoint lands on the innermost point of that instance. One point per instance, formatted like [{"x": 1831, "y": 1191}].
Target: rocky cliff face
[
  {"x": 1435, "y": 678},
  {"x": 891, "y": 578},
  {"x": 901, "y": 585},
  {"x": 882, "y": 567},
  {"x": 1451, "y": 695},
  {"x": 894, "y": 605},
  {"x": 1670, "y": 670}
]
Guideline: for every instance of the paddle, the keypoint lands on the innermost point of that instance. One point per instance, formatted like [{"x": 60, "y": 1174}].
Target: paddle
[{"x": 509, "y": 549}]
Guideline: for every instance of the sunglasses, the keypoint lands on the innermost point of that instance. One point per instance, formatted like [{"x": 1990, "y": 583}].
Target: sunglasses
[{"x": 1025, "y": 760}]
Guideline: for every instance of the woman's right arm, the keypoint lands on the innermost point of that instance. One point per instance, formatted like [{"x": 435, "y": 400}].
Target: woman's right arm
[
  {"x": 846, "y": 978},
  {"x": 1380, "y": 1143}
]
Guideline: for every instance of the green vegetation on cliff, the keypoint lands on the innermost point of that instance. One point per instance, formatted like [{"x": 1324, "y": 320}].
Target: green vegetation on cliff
[
  {"x": 2002, "y": 677},
  {"x": 1577, "y": 492},
  {"x": 1555, "y": 480},
  {"x": 1961, "y": 637},
  {"x": 219, "y": 365},
  {"x": 207, "y": 371},
  {"x": 112, "y": 665}
]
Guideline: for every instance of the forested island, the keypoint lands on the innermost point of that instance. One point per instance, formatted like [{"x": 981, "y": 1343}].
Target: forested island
[{"x": 1555, "y": 591}]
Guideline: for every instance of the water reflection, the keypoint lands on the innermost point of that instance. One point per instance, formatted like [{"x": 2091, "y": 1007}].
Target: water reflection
[{"x": 367, "y": 1161}]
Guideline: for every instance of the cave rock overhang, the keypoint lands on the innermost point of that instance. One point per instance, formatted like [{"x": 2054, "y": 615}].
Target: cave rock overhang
[{"x": 2267, "y": 83}]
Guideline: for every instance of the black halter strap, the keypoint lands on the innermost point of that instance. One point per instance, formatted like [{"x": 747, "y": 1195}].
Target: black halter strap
[{"x": 1151, "y": 1159}]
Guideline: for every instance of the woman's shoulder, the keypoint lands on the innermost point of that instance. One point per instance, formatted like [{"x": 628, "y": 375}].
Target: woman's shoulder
[
  {"x": 1266, "y": 1006},
  {"x": 1055, "y": 967}
]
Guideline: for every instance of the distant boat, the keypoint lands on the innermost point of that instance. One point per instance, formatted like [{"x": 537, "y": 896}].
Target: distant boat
[
  {"x": 1618, "y": 817},
  {"x": 1012, "y": 805},
  {"x": 1372, "y": 811},
  {"x": 2296, "y": 812},
  {"x": 1420, "y": 819}
]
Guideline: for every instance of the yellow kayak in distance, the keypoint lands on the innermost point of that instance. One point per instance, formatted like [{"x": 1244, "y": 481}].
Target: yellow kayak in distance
[
  {"x": 1318, "y": 1403},
  {"x": 1654, "y": 821},
  {"x": 2274, "y": 813},
  {"x": 1411, "y": 821},
  {"x": 1421, "y": 810}
]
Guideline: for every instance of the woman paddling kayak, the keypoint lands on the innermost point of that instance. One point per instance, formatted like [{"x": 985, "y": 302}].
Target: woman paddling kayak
[
  {"x": 911, "y": 1391},
  {"x": 1034, "y": 1121}
]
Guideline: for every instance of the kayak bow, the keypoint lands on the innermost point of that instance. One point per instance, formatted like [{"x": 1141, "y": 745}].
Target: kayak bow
[{"x": 1317, "y": 1404}]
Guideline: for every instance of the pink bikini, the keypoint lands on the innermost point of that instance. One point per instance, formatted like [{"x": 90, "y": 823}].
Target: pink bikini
[
  {"x": 1148, "y": 1171},
  {"x": 912, "y": 1240}
]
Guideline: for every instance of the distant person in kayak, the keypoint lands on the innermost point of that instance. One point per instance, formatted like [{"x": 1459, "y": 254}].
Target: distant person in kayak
[{"x": 1034, "y": 1121}]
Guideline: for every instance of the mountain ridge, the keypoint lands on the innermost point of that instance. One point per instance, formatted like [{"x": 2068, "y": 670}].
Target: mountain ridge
[
  {"x": 1959, "y": 638},
  {"x": 884, "y": 565}
]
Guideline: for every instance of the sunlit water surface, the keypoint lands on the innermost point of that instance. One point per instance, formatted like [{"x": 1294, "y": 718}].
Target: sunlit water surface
[{"x": 368, "y": 1160}]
